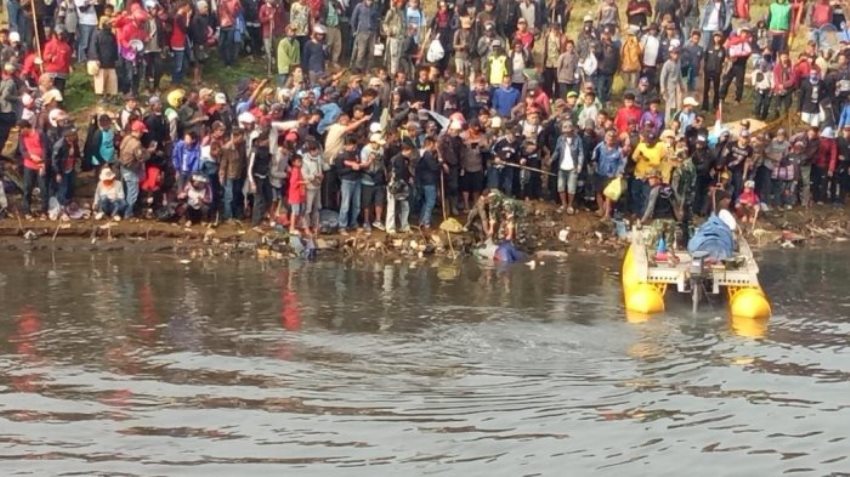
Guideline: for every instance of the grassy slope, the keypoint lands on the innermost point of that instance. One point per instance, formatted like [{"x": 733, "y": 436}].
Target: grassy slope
[{"x": 80, "y": 97}]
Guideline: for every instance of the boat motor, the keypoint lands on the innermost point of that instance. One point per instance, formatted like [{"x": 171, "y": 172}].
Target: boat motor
[{"x": 698, "y": 275}]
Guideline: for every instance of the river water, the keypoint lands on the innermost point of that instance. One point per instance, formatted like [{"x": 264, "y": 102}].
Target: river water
[{"x": 143, "y": 365}]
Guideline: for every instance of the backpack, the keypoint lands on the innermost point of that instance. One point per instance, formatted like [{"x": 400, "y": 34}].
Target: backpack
[{"x": 631, "y": 56}]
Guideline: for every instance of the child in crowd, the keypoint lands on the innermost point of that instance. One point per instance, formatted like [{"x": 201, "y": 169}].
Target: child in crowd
[{"x": 296, "y": 193}]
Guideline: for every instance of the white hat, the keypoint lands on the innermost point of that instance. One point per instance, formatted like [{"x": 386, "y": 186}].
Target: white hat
[
  {"x": 377, "y": 139},
  {"x": 14, "y": 37},
  {"x": 588, "y": 18},
  {"x": 319, "y": 29},
  {"x": 246, "y": 118},
  {"x": 827, "y": 132},
  {"x": 690, "y": 101},
  {"x": 220, "y": 98},
  {"x": 375, "y": 128},
  {"x": 203, "y": 5},
  {"x": 55, "y": 116},
  {"x": 496, "y": 122},
  {"x": 106, "y": 174},
  {"x": 455, "y": 125}
]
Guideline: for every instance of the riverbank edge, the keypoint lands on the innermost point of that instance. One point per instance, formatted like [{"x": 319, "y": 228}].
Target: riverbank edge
[{"x": 543, "y": 232}]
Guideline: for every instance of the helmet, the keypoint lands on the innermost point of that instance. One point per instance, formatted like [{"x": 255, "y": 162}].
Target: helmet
[{"x": 175, "y": 98}]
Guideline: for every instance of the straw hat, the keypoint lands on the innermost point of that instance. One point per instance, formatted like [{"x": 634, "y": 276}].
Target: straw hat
[{"x": 106, "y": 174}]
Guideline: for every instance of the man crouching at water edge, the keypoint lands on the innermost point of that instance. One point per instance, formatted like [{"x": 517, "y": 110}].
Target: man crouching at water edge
[
  {"x": 109, "y": 196},
  {"x": 495, "y": 213}
]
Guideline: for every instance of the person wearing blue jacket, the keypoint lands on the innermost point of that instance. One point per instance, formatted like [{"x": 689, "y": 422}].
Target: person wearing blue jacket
[
  {"x": 505, "y": 97},
  {"x": 608, "y": 159},
  {"x": 186, "y": 158}
]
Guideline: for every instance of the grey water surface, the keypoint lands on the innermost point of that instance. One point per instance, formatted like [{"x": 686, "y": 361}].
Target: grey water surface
[{"x": 140, "y": 365}]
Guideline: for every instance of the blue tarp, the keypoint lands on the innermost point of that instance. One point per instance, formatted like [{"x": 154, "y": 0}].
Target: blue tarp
[{"x": 714, "y": 237}]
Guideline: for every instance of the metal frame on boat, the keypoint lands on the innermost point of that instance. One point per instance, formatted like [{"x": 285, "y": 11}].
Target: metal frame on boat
[{"x": 645, "y": 281}]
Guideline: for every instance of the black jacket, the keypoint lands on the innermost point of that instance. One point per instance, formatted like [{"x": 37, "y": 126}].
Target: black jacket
[
  {"x": 104, "y": 49},
  {"x": 609, "y": 58},
  {"x": 714, "y": 58}
]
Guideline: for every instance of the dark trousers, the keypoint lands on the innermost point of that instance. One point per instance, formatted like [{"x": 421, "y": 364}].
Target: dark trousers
[
  {"x": 710, "y": 84},
  {"x": 762, "y": 105},
  {"x": 256, "y": 43},
  {"x": 839, "y": 184},
  {"x": 701, "y": 204},
  {"x": 778, "y": 43},
  {"x": 7, "y": 122},
  {"x": 564, "y": 88},
  {"x": 549, "y": 75},
  {"x": 227, "y": 46},
  {"x": 603, "y": 86},
  {"x": 197, "y": 215},
  {"x": 262, "y": 199},
  {"x": 819, "y": 184},
  {"x": 736, "y": 73},
  {"x": 651, "y": 74},
  {"x": 453, "y": 187},
  {"x": 781, "y": 104},
  {"x": 65, "y": 189},
  {"x": 153, "y": 68},
  {"x": 33, "y": 178},
  {"x": 233, "y": 200},
  {"x": 129, "y": 76}
]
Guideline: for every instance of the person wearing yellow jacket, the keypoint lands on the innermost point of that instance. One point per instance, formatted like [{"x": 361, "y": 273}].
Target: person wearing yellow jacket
[
  {"x": 288, "y": 55},
  {"x": 631, "y": 54}
]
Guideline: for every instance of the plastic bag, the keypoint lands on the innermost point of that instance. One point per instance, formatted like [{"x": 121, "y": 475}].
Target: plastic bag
[
  {"x": 435, "y": 51},
  {"x": 614, "y": 189},
  {"x": 589, "y": 65}
]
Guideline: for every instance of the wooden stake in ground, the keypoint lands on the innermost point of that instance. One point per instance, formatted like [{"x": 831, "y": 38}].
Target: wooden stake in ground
[
  {"x": 271, "y": 43},
  {"x": 528, "y": 168},
  {"x": 36, "y": 35}
]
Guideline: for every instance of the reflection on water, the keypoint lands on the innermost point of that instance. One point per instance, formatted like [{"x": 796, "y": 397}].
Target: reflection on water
[{"x": 144, "y": 366}]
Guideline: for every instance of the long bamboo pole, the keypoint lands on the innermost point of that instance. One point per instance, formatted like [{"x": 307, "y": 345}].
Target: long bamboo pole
[{"x": 35, "y": 34}]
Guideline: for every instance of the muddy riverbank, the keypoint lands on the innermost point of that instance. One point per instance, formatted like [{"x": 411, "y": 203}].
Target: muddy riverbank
[{"x": 543, "y": 229}]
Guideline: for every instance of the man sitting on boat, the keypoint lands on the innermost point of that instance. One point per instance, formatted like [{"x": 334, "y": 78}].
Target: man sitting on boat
[{"x": 662, "y": 210}]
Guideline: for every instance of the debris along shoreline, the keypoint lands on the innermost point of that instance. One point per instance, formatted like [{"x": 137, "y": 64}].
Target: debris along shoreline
[{"x": 543, "y": 231}]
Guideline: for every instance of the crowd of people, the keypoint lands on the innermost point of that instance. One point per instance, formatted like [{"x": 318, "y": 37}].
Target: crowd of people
[{"x": 483, "y": 100}]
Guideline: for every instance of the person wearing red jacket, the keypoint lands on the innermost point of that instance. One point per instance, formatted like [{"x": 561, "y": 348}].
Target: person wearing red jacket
[
  {"x": 629, "y": 113},
  {"x": 33, "y": 147},
  {"x": 823, "y": 167},
  {"x": 783, "y": 84},
  {"x": 57, "y": 60},
  {"x": 267, "y": 19},
  {"x": 801, "y": 69},
  {"x": 131, "y": 36}
]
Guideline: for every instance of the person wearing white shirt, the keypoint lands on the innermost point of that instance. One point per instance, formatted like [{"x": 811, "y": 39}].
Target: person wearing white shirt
[{"x": 650, "y": 45}]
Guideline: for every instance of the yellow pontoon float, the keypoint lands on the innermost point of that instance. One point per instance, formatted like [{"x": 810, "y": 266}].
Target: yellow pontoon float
[{"x": 645, "y": 280}]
